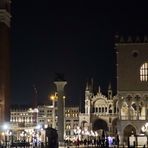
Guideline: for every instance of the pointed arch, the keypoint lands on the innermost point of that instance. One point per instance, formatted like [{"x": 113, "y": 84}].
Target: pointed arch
[{"x": 128, "y": 131}]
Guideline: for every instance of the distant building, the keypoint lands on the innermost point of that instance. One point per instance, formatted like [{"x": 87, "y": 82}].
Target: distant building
[
  {"x": 71, "y": 120},
  {"x": 23, "y": 116},
  {"x": 45, "y": 113},
  {"x": 23, "y": 124},
  {"x": 4, "y": 59}
]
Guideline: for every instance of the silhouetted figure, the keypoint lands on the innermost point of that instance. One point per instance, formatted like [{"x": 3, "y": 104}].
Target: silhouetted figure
[
  {"x": 107, "y": 143},
  {"x": 117, "y": 139},
  {"x": 52, "y": 136},
  {"x": 103, "y": 139}
]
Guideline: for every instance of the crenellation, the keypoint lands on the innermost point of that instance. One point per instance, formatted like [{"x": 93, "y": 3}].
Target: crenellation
[{"x": 131, "y": 39}]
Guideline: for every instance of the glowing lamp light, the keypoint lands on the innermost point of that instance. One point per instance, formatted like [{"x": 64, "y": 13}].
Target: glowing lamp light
[
  {"x": 46, "y": 125},
  {"x": 52, "y": 97},
  {"x": 38, "y": 126},
  {"x": 5, "y": 126}
]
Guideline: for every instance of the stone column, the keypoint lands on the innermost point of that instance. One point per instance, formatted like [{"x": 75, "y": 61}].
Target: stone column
[
  {"x": 137, "y": 103},
  {"x": 129, "y": 114},
  {"x": 120, "y": 106},
  {"x": 146, "y": 107},
  {"x": 60, "y": 84},
  {"x": 137, "y": 111},
  {"x": 129, "y": 102},
  {"x": 120, "y": 117},
  {"x": 120, "y": 133}
]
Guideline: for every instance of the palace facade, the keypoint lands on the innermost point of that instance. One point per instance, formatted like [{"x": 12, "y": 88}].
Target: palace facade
[{"x": 126, "y": 113}]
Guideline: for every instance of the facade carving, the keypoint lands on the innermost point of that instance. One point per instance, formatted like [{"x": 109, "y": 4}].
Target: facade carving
[{"x": 100, "y": 112}]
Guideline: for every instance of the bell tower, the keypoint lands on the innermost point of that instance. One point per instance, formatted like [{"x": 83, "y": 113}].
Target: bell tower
[{"x": 4, "y": 59}]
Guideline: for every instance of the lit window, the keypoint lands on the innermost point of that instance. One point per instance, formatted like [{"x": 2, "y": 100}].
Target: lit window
[{"x": 144, "y": 72}]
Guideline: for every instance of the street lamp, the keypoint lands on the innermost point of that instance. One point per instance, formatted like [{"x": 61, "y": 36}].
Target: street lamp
[
  {"x": 6, "y": 130},
  {"x": 38, "y": 133},
  {"x": 53, "y": 99}
]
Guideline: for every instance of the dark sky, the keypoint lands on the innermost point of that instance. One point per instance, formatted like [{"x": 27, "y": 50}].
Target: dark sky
[{"x": 73, "y": 38}]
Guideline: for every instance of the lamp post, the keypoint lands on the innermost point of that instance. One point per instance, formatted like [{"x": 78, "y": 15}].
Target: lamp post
[
  {"x": 6, "y": 129},
  {"x": 53, "y": 98}
]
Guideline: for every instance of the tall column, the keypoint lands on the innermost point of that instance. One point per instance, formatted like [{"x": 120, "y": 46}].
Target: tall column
[
  {"x": 60, "y": 84},
  {"x": 4, "y": 59}
]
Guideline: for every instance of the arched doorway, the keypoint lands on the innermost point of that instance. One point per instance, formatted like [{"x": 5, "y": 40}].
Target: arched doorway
[
  {"x": 128, "y": 131},
  {"x": 100, "y": 124}
]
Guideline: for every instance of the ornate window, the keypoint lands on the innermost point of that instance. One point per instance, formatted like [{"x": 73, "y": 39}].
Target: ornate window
[{"x": 144, "y": 72}]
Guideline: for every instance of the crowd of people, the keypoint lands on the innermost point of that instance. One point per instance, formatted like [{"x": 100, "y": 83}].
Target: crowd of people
[{"x": 92, "y": 142}]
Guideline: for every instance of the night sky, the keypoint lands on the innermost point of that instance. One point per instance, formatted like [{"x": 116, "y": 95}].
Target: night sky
[{"x": 73, "y": 38}]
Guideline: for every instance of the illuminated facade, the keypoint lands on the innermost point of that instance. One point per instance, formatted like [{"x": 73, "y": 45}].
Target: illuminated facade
[
  {"x": 71, "y": 121},
  {"x": 26, "y": 117},
  {"x": 100, "y": 112},
  {"x": 24, "y": 125},
  {"x": 126, "y": 113},
  {"x": 23, "y": 116},
  {"x": 4, "y": 59},
  {"x": 132, "y": 86},
  {"x": 45, "y": 115}
]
